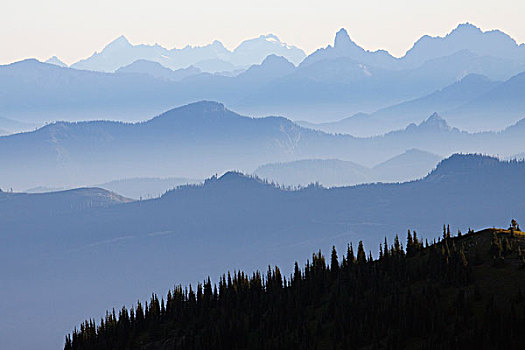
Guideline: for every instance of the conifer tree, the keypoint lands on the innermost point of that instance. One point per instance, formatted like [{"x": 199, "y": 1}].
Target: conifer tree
[
  {"x": 361, "y": 255},
  {"x": 350, "y": 257},
  {"x": 334, "y": 262},
  {"x": 410, "y": 244}
]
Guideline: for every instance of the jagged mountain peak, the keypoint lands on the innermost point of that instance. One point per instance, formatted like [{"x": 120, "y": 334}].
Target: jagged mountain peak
[
  {"x": 435, "y": 121},
  {"x": 465, "y": 36},
  {"x": 119, "y": 42},
  {"x": 341, "y": 37},
  {"x": 56, "y": 61}
]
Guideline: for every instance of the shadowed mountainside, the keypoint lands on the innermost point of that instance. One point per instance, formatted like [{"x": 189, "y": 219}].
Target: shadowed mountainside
[
  {"x": 412, "y": 164},
  {"x": 462, "y": 291},
  {"x": 205, "y": 138},
  {"x": 227, "y": 223}
]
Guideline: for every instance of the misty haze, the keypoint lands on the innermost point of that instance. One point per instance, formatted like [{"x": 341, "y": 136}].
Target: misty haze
[{"x": 264, "y": 194}]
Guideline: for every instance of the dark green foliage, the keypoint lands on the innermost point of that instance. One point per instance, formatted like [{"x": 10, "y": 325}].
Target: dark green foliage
[{"x": 424, "y": 298}]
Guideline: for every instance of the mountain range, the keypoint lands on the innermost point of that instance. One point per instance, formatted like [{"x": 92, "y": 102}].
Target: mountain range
[
  {"x": 145, "y": 188},
  {"x": 465, "y": 37},
  {"x": 205, "y": 138},
  {"x": 330, "y": 84},
  {"x": 384, "y": 144},
  {"x": 211, "y": 58},
  {"x": 229, "y": 222},
  {"x": 412, "y": 164},
  {"x": 474, "y": 103},
  {"x": 156, "y": 70}
]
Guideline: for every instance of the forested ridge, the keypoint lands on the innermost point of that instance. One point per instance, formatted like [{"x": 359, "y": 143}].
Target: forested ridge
[{"x": 461, "y": 291}]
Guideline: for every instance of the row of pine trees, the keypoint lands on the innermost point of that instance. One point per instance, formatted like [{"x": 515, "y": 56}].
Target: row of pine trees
[{"x": 419, "y": 296}]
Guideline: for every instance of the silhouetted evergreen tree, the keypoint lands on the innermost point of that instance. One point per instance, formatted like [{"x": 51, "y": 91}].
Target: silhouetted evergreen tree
[{"x": 423, "y": 298}]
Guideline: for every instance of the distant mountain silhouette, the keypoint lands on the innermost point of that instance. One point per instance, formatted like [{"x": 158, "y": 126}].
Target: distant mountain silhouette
[
  {"x": 228, "y": 223},
  {"x": 410, "y": 165},
  {"x": 465, "y": 37},
  {"x": 157, "y": 70},
  {"x": 69, "y": 201},
  {"x": 56, "y": 61},
  {"x": 504, "y": 104},
  {"x": 212, "y": 58},
  {"x": 144, "y": 188},
  {"x": 332, "y": 83},
  {"x": 272, "y": 67},
  {"x": 205, "y": 138},
  {"x": 327, "y": 172},
  {"x": 306, "y": 309},
  {"x": 471, "y": 103},
  {"x": 254, "y": 51},
  {"x": 344, "y": 47}
]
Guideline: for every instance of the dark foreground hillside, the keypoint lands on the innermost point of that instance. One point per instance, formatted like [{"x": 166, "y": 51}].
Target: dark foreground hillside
[{"x": 460, "y": 292}]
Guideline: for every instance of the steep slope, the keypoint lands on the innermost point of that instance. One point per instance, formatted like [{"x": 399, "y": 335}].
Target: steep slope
[
  {"x": 229, "y": 223},
  {"x": 344, "y": 47},
  {"x": 444, "y": 288}
]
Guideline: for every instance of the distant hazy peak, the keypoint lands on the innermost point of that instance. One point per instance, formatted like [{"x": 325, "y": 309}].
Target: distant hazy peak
[
  {"x": 232, "y": 175},
  {"x": 265, "y": 38},
  {"x": 417, "y": 151},
  {"x": 435, "y": 121},
  {"x": 342, "y": 40},
  {"x": 27, "y": 61},
  {"x": 466, "y": 27},
  {"x": 195, "y": 108},
  {"x": 341, "y": 37},
  {"x": 470, "y": 30},
  {"x": 463, "y": 162},
  {"x": 465, "y": 36},
  {"x": 235, "y": 178},
  {"x": 120, "y": 42},
  {"x": 474, "y": 78},
  {"x": 56, "y": 61},
  {"x": 274, "y": 58},
  {"x": 217, "y": 43}
]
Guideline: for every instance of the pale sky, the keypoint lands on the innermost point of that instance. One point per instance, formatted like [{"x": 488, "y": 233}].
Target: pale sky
[{"x": 73, "y": 29}]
